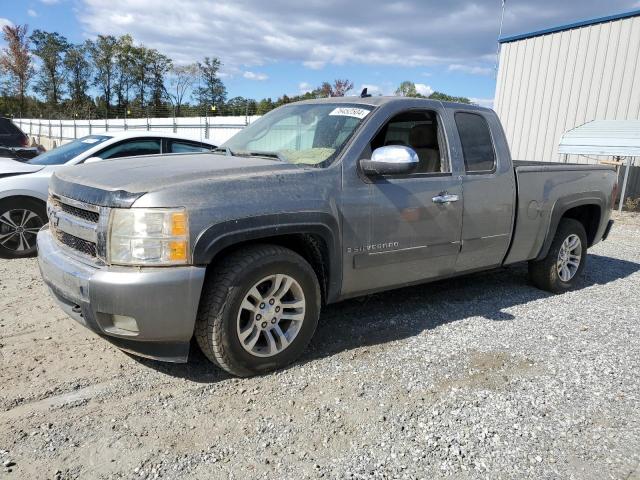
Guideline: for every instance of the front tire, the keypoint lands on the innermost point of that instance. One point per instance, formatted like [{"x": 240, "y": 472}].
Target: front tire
[
  {"x": 258, "y": 311},
  {"x": 20, "y": 221},
  {"x": 560, "y": 270}
]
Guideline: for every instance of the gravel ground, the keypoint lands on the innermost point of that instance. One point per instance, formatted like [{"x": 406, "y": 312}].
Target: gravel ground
[{"x": 479, "y": 377}]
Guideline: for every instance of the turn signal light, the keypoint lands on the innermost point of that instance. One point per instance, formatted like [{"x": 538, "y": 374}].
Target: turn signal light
[
  {"x": 177, "y": 251},
  {"x": 178, "y": 224}
]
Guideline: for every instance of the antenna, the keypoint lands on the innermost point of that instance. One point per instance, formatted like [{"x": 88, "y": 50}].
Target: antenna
[
  {"x": 364, "y": 93},
  {"x": 499, "y": 37}
]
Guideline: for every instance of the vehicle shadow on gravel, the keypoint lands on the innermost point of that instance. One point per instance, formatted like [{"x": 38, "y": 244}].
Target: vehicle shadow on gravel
[{"x": 398, "y": 314}]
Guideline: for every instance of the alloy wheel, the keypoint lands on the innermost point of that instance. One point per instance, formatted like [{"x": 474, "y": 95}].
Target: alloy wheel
[
  {"x": 271, "y": 315},
  {"x": 569, "y": 258},
  {"x": 19, "y": 228}
]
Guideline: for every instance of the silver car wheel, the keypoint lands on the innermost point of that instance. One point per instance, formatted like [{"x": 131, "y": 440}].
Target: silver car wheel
[
  {"x": 569, "y": 258},
  {"x": 271, "y": 315},
  {"x": 19, "y": 228}
]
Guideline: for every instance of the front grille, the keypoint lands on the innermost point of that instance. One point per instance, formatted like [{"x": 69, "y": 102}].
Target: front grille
[
  {"x": 78, "y": 244},
  {"x": 74, "y": 224},
  {"x": 92, "y": 217}
]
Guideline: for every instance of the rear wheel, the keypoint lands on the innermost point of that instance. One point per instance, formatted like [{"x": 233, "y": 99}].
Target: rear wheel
[
  {"x": 259, "y": 310},
  {"x": 561, "y": 268},
  {"x": 20, "y": 221}
]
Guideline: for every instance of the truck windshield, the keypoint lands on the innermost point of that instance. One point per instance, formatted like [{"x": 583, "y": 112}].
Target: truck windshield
[
  {"x": 310, "y": 134},
  {"x": 64, "y": 153}
]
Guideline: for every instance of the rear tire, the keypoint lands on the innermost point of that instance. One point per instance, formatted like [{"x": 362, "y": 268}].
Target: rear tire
[
  {"x": 560, "y": 270},
  {"x": 258, "y": 311},
  {"x": 20, "y": 221}
]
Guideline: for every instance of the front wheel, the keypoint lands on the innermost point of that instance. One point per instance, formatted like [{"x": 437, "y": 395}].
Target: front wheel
[
  {"x": 20, "y": 221},
  {"x": 259, "y": 310},
  {"x": 561, "y": 268}
]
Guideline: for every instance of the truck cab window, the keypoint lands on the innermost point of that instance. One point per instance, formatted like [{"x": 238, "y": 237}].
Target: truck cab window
[
  {"x": 477, "y": 145},
  {"x": 418, "y": 130}
]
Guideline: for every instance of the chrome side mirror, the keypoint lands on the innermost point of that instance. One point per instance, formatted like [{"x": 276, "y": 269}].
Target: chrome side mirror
[{"x": 391, "y": 160}]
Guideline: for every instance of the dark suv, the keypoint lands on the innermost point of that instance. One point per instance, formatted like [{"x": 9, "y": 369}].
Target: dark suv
[{"x": 14, "y": 143}]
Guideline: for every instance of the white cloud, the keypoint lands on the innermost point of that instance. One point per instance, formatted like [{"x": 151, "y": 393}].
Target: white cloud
[
  {"x": 246, "y": 34},
  {"x": 249, "y": 33},
  {"x": 483, "y": 102},
  {"x": 5, "y": 21},
  {"x": 32, "y": 13},
  {"x": 305, "y": 87},
  {"x": 255, "y": 76},
  {"x": 423, "y": 89},
  {"x": 50, "y": 2},
  {"x": 471, "y": 69}
]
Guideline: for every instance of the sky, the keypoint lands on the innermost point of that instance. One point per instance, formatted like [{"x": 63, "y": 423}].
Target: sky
[{"x": 273, "y": 47}]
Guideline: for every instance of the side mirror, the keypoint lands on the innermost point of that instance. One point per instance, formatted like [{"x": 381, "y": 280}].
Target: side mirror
[
  {"x": 391, "y": 160},
  {"x": 92, "y": 160}
]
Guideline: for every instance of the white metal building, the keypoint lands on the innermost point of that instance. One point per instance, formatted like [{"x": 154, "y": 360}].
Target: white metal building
[{"x": 554, "y": 80}]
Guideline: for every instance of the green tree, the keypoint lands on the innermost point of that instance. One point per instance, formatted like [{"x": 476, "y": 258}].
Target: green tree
[
  {"x": 124, "y": 70},
  {"x": 339, "y": 88},
  {"x": 50, "y": 47},
  {"x": 103, "y": 51},
  {"x": 443, "y": 97},
  {"x": 407, "y": 89},
  {"x": 16, "y": 62},
  {"x": 78, "y": 74},
  {"x": 265, "y": 106},
  {"x": 236, "y": 106},
  {"x": 180, "y": 82},
  {"x": 211, "y": 90},
  {"x": 140, "y": 70},
  {"x": 159, "y": 66}
]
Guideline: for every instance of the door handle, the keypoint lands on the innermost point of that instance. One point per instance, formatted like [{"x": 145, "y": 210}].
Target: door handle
[{"x": 445, "y": 198}]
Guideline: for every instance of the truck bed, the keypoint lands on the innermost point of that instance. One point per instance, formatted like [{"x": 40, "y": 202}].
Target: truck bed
[{"x": 543, "y": 189}]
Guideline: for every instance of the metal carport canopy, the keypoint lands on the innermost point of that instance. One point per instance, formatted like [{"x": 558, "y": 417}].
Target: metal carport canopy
[{"x": 616, "y": 138}]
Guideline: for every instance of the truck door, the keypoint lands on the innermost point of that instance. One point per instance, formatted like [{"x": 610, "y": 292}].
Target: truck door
[
  {"x": 489, "y": 190},
  {"x": 401, "y": 229}
]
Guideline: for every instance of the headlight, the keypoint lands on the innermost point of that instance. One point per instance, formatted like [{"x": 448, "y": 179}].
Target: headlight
[{"x": 149, "y": 236}]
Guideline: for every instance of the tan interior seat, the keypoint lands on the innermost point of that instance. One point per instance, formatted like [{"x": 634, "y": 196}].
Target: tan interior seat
[{"x": 424, "y": 140}]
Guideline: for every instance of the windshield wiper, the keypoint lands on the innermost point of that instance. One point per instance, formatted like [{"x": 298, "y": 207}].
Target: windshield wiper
[
  {"x": 226, "y": 150},
  {"x": 276, "y": 155}
]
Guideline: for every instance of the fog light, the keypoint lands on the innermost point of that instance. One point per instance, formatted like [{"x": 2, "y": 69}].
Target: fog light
[{"x": 123, "y": 322}]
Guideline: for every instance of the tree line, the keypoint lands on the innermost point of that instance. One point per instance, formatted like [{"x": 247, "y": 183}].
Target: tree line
[{"x": 125, "y": 78}]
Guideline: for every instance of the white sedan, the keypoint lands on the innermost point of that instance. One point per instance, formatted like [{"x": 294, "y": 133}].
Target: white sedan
[{"x": 24, "y": 186}]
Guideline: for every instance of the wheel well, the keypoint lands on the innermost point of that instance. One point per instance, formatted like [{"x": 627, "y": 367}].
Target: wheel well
[
  {"x": 589, "y": 216},
  {"x": 19, "y": 198},
  {"x": 23, "y": 197},
  {"x": 311, "y": 247}
]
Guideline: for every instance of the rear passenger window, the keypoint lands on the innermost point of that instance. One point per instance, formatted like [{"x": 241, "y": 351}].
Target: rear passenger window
[
  {"x": 132, "y": 148},
  {"x": 477, "y": 145},
  {"x": 187, "y": 147}
]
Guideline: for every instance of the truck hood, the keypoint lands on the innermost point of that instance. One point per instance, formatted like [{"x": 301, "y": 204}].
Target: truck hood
[
  {"x": 9, "y": 167},
  {"x": 119, "y": 182}
]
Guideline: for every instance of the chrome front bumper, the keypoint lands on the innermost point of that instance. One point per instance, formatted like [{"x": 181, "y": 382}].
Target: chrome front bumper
[{"x": 162, "y": 301}]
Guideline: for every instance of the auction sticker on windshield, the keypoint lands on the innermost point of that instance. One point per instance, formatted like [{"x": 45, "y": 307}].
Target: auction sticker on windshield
[{"x": 350, "y": 112}]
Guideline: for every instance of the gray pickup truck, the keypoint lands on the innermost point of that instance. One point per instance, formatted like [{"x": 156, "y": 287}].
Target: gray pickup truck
[{"x": 316, "y": 202}]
